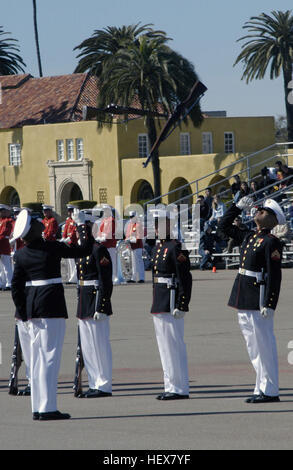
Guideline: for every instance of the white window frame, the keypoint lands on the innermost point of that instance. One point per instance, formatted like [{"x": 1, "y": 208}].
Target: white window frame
[
  {"x": 60, "y": 150},
  {"x": 79, "y": 148},
  {"x": 229, "y": 146},
  {"x": 207, "y": 142},
  {"x": 69, "y": 150},
  {"x": 143, "y": 145},
  {"x": 185, "y": 143},
  {"x": 14, "y": 154}
]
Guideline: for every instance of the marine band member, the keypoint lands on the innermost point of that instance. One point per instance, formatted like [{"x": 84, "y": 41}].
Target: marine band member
[
  {"x": 50, "y": 224},
  {"x": 172, "y": 284},
  {"x": 256, "y": 290}
]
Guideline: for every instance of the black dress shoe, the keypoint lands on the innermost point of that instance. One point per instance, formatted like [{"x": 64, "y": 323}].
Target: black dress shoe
[
  {"x": 26, "y": 392},
  {"x": 130, "y": 282},
  {"x": 171, "y": 396},
  {"x": 36, "y": 415},
  {"x": 250, "y": 399},
  {"x": 51, "y": 415},
  {"x": 95, "y": 393},
  {"x": 141, "y": 281},
  {"x": 262, "y": 398}
]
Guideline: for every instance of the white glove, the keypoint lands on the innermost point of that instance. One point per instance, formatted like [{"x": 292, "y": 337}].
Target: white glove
[
  {"x": 65, "y": 240},
  {"x": 245, "y": 203},
  {"x": 178, "y": 313},
  {"x": 78, "y": 217},
  {"x": 12, "y": 241},
  {"x": 267, "y": 312},
  {"x": 99, "y": 316}
]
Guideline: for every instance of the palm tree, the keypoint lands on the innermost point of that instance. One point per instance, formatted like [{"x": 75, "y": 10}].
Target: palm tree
[
  {"x": 270, "y": 46},
  {"x": 102, "y": 46},
  {"x": 145, "y": 70},
  {"x": 10, "y": 62},
  {"x": 37, "y": 37}
]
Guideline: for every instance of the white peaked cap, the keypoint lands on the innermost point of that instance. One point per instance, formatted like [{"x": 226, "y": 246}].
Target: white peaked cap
[
  {"x": 47, "y": 206},
  {"x": 22, "y": 224},
  {"x": 277, "y": 210}
]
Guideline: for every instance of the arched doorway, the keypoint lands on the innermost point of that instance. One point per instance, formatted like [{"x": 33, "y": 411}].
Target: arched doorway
[
  {"x": 10, "y": 196},
  {"x": 181, "y": 192},
  {"x": 70, "y": 192},
  {"x": 141, "y": 192}
]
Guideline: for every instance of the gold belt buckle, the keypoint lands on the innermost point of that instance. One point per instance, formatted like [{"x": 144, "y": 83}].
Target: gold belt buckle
[{"x": 242, "y": 271}]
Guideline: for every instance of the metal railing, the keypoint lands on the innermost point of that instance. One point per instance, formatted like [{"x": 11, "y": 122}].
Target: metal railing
[{"x": 250, "y": 167}]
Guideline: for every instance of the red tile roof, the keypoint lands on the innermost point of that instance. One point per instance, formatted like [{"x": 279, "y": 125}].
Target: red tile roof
[{"x": 26, "y": 100}]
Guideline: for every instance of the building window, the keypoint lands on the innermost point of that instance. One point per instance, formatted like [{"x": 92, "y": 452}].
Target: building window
[
  {"x": 14, "y": 154},
  {"x": 184, "y": 143},
  {"x": 41, "y": 197},
  {"x": 229, "y": 142},
  {"x": 60, "y": 150},
  {"x": 143, "y": 145},
  {"x": 103, "y": 195},
  {"x": 79, "y": 149},
  {"x": 207, "y": 142},
  {"x": 69, "y": 149}
]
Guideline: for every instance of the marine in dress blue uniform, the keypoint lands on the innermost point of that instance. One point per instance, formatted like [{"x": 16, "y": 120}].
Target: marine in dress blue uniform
[
  {"x": 38, "y": 295},
  {"x": 172, "y": 284},
  {"x": 256, "y": 289},
  {"x": 94, "y": 309}
]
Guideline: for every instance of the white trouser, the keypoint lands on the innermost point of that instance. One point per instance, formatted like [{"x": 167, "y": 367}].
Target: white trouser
[
  {"x": 47, "y": 336},
  {"x": 25, "y": 341},
  {"x": 6, "y": 268},
  {"x": 113, "y": 254},
  {"x": 97, "y": 352},
  {"x": 170, "y": 339},
  {"x": 137, "y": 265},
  {"x": 261, "y": 345},
  {"x": 72, "y": 275}
]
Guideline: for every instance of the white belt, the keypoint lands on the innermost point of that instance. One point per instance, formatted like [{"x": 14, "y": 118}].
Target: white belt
[
  {"x": 246, "y": 272},
  {"x": 163, "y": 280},
  {"x": 44, "y": 282},
  {"x": 89, "y": 283}
]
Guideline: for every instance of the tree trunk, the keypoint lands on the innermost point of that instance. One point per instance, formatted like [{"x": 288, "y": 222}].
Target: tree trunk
[
  {"x": 152, "y": 135},
  {"x": 37, "y": 38},
  {"x": 289, "y": 107}
]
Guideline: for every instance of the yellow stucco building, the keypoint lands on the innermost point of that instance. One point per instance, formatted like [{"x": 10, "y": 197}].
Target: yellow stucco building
[{"x": 49, "y": 154}]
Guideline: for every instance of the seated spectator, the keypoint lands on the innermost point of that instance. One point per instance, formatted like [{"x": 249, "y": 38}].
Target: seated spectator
[
  {"x": 254, "y": 188},
  {"x": 243, "y": 191},
  {"x": 236, "y": 185},
  {"x": 290, "y": 213},
  {"x": 266, "y": 181},
  {"x": 278, "y": 170},
  {"x": 286, "y": 171},
  {"x": 206, "y": 247},
  {"x": 231, "y": 242},
  {"x": 204, "y": 211},
  {"x": 219, "y": 209},
  {"x": 209, "y": 199}
]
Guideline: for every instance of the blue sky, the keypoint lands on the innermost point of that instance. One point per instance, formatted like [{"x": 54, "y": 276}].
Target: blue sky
[{"x": 204, "y": 31}]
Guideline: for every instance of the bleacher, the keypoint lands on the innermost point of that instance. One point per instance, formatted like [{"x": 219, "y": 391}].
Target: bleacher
[{"x": 252, "y": 172}]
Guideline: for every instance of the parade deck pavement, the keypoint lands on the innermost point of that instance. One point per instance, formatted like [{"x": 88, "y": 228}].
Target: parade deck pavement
[{"x": 221, "y": 377}]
